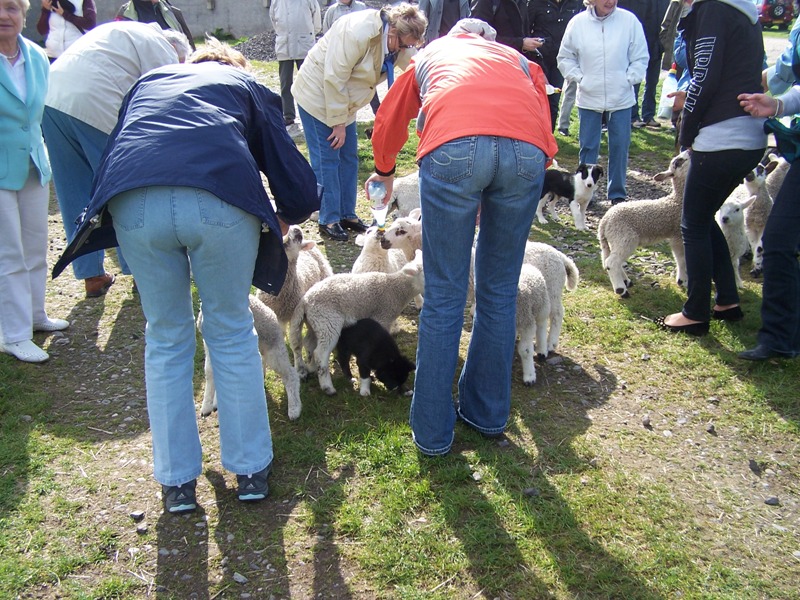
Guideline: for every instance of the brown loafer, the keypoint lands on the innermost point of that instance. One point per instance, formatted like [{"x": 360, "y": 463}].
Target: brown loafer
[{"x": 98, "y": 286}]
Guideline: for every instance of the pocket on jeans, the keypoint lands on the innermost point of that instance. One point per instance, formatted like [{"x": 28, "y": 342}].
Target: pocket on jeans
[
  {"x": 216, "y": 212},
  {"x": 128, "y": 209},
  {"x": 530, "y": 160},
  {"x": 454, "y": 160}
]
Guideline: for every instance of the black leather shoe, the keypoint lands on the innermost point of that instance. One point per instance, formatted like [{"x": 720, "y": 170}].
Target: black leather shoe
[
  {"x": 760, "y": 352},
  {"x": 730, "y": 314},
  {"x": 356, "y": 225},
  {"x": 695, "y": 329},
  {"x": 334, "y": 231},
  {"x": 615, "y": 201}
]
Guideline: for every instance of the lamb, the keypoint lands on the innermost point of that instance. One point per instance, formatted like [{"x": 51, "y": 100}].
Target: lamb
[
  {"x": 635, "y": 223},
  {"x": 755, "y": 216},
  {"x": 307, "y": 266},
  {"x": 374, "y": 257},
  {"x": 730, "y": 217},
  {"x": 533, "y": 313},
  {"x": 405, "y": 234},
  {"x": 273, "y": 351},
  {"x": 775, "y": 179},
  {"x": 340, "y": 301},
  {"x": 559, "y": 271},
  {"x": 405, "y": 194}
]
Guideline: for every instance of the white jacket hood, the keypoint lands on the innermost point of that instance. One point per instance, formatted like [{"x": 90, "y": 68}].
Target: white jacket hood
[{"x": 744, "y": 6}]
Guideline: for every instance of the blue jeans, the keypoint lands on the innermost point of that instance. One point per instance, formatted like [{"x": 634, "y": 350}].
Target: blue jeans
[
  {"x": 336, "y": 170},
  {"x": 75, "y": 150},
  {"x": 712, "y": 177},
  {"x": 171, "y": 235},
  {"x": 649, "y": 97},
  {"x": 780, "y": 305},
  {"x": 503, "y": 178},
  {"x": 619, "y": 140}
]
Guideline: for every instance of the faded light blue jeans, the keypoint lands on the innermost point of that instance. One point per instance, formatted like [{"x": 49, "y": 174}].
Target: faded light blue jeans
[
  {"x": 169, "y": 236},
  {"x": 619, "y": 141},
  {"x": 502, "y": 178}
]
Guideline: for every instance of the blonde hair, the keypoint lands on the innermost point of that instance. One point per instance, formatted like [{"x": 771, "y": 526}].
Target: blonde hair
[
  {"x": 407, "y": 19},
  {"x": 216, "y": 51},
  {"x": 24, "y": 5}
]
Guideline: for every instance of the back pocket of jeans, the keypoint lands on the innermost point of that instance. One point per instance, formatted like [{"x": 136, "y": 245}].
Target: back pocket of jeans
[
  {"x": 530, "y": 160},
  {"x": 216, "y": 212},
  {"x": 453, "y": 161}
]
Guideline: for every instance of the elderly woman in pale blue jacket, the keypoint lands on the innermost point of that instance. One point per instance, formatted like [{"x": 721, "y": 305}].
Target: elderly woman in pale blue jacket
[
  {"x": 604, "y": 50},
  {"x": 24, "y": 195}
]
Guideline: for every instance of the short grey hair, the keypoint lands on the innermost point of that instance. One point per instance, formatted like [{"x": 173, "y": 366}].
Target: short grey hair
[
  {"x": 179, "y": 42},
  {"x": 469, "y": 25},
  {"x": 24, "y": 5}
]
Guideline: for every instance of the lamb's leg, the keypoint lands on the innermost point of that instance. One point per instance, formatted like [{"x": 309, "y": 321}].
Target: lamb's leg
[
  {"x": 277, "y": 359},
  {"x": 737, "y": 276},
  {"x": 525, "y": 351},
  {"x": 210, "y": 391},
  {"x": 758, "y": 258},
  {"x": 679, "y": 254},
  {"x": 322, "y": 358},
  {"x": 542, "y": 349},
  {"x": 556, "y": 319},
  {"x": 296, "y": 341}
]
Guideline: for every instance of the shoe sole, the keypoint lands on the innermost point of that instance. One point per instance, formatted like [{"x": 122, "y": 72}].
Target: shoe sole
[
  {"x": 181, "y": 508},
  {"x": 251, "y": 497}
]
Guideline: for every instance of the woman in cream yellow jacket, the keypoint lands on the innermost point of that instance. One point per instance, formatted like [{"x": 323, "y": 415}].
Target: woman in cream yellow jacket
[{"x": 338, "y": 77}]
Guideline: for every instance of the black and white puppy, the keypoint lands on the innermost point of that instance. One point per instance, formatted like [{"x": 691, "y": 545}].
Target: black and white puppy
[
  {"x": 375, "y": 351},
  {"x": 577, "y": 189},
  {"x": 585, "y": 180}
]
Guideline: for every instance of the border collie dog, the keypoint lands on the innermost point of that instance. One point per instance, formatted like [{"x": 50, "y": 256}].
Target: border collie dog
[
  {"x": 375, "y": 351},
  {"x": 577, "y": 189}
]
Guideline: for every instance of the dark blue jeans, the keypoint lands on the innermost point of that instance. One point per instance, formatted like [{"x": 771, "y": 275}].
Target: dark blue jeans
[
  {"x": 780, "y": 305},
  {"x": 712, "y": 177}
]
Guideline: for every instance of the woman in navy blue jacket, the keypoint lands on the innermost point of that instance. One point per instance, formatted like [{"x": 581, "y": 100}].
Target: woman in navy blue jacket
[{"x": 179, "y": 188}]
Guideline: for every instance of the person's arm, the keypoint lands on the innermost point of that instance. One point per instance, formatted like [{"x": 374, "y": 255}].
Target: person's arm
[
  {"x": 401, "y": 104},
  {"x": 346, "y": 48},
  {"x": 43, "y": 24},
  {"x": 89, "y": 18},
  {"x": 567, "y": 59},
  {"x": 780, "y": 77},
  {"x": 316, "y": 16},
  {"x": 291, "y": 180},
  {"x": 638, "y": 55}
]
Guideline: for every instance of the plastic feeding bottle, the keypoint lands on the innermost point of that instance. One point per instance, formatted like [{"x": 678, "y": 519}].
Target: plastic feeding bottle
[
  {"x": 669, "y": 86},
  {"x": 376, "y": 192}
]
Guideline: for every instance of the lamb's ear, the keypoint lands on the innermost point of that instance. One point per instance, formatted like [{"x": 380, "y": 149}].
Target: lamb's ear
[
  {"x": 415, "y": 214},
  {"x": 308, "y": 245},
  {"x": 413, "y": 266},
  {"x": 745, "y": 203},
  {"x": 360, "y": 240},
  {"x": 663, "y": 175},
  {"x": 771, "y": 165},
  {"x": 554, "y": 164}
]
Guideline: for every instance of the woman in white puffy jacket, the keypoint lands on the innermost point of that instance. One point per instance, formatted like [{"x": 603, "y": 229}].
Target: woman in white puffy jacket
[
  {"x": 605, "y": 52},
  {"x": 61, "y": 22}
]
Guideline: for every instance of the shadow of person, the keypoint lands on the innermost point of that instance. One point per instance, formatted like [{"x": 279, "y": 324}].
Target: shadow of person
[{"x": 182, "y": 563}]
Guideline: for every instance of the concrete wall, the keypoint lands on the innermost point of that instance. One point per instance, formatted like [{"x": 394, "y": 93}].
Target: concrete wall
[{"x": 237, "y": 17}]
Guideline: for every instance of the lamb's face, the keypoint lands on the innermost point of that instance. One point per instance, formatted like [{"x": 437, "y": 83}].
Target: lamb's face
[
  {"x": 400, "y": 232},
  {"x": 293, "y": 241}
]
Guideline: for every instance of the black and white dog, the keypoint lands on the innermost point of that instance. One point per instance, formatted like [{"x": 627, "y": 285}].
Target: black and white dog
[
  {"x": 577, "y": 189},
  {"x": 375, "y": 350}
]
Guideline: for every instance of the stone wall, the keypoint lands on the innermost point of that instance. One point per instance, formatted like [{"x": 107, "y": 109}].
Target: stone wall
[{"x": 237, "y": 17}]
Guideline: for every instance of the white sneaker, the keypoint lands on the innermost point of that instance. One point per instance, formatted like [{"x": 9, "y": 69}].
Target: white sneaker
[
  {"x": 51, "y": 325},
  {"x": 25, "y": 351}
]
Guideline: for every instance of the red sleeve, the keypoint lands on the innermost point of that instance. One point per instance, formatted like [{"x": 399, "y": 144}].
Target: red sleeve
[
  {"x": 401, "y": 104},
  {"x": 43, "y": 25},
  {"x": 89, "y": 18}
]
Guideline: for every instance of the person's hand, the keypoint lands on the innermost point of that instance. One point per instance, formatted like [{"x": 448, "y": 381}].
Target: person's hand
[
  {"x": 284, "y": 226},
  {"x": 46, "y": 5},
  {"x": 678, "y": 99},
  {"x": 337, "y": 137},
  {"x": 388, "y": 183},
  {"x": 529, "y": 44},
  {"x": 764, "y": 84},
  {"x": 758, "y": 105}
]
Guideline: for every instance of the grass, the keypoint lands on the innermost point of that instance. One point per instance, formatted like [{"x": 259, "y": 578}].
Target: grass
[{"x": 581, "y": 500}]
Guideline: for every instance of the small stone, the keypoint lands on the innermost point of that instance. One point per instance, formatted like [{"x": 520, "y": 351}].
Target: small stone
[
  {"x": 713, "y": 400},
  {"x": 711, "y": 429},
  {"x": 645, "y": 357},
  {"x": 141, "y": 528},
  {"x": 503, "y": 443},
  {"x": 477, "y": 476},
  {"x": 163, "y": 551},
  {"x": 137, "y": 515},
  {"x": 646, "y": 421},
  {"x": 772, "y": 501},
  {"x": 796, "y": 554},
  {"x": 667, "y": 433},
  {"x": 239, "y": 578},
  {"x": 531, "y": 492},
  {"x": 26, "y": 418}
]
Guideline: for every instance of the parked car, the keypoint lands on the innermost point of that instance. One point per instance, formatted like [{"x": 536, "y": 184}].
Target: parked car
[{"x": 776, "y": 13}]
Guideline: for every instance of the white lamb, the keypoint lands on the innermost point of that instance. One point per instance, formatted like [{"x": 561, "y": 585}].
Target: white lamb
[
  {"x": 340, "y": 301},
  {"x": 533, "y": 314},
  {"x": 559, "y": 271},
  {"x": 757, "y": 184},
  {"x": 307, "y": 266},
  {"x": 405, "y": 194},
  {"x": 635, "y": 223},
  {"x": 730, "y": 218},
  {"x": 405, "y": 233},
  {"x": 374, "y": 257},
  {"x": 273, "y": 351},
  {"x": 778, "y": 174}
]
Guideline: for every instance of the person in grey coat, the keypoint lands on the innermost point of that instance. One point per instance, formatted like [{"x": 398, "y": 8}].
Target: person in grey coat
[
  {"x": 442, "y": 15},
  {"x": 296, "y": 23}
]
